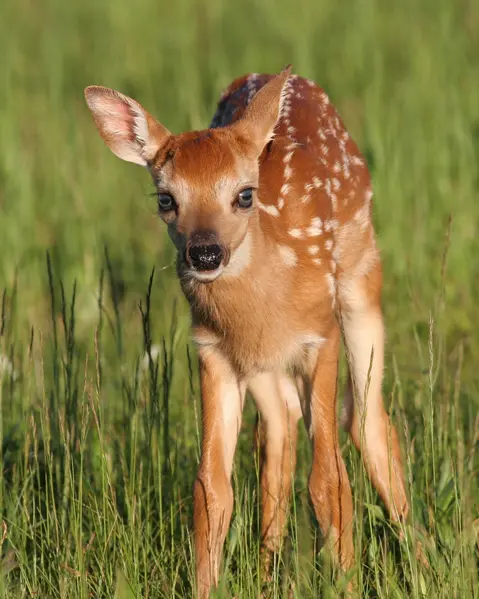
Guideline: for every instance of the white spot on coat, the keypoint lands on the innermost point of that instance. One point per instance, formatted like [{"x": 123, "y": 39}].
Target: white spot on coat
[
  {"x": 357, "y": 161},
  {"x": 296, "y": 233},
  {"x": 271, "y": 210},
  {"x": 316, "y": 227},
  {"x": 288, "y": 255}
]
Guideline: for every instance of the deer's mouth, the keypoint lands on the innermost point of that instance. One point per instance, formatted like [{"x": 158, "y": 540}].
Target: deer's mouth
[
  {"x": 188, "y": 272},
  {"x": 205, "y": 276}
]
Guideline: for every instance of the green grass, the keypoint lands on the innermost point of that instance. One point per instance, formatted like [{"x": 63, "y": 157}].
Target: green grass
[{"x": 99, "y": 444}]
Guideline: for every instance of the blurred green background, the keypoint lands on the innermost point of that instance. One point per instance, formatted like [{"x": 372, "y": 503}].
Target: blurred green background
[{"x": 99, "y": 443}]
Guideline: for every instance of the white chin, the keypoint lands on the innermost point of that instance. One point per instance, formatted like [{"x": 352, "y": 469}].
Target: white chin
[{"x": 206, "y": 276}]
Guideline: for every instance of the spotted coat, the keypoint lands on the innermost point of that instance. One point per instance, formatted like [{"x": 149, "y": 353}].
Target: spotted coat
[{"x": 319, "y": 203}]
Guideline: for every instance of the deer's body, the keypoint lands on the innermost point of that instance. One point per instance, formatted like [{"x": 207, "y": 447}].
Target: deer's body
[
  {"x": 269, "y": 283},
  {"x": 313, "y": 182}
]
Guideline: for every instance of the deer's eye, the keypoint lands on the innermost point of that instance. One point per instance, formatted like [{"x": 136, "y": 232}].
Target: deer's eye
[
  {"x": 166, "y": 202},
  {"x": 245, "y": 198}
]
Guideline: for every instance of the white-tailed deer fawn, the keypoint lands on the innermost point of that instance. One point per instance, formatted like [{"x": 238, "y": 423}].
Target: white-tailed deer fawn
[{"x": 270, "y": 211}]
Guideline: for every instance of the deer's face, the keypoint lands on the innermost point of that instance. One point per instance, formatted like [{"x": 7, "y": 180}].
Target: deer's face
[{"x": 206, "y": 181}]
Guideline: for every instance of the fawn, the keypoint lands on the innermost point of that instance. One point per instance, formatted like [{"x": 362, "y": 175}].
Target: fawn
[{"x": 270, "y": 211}]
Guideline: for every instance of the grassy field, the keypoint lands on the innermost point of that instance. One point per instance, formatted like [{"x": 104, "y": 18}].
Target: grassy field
[{"x": 99, "y": 401}]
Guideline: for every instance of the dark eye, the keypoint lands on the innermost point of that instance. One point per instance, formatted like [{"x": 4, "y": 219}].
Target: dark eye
[
  {"x": 166, "y": 202},
  {"x": 245, "y": 198}
]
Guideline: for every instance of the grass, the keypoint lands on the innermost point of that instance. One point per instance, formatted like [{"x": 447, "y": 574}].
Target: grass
[{"x": 99, "y": 427}]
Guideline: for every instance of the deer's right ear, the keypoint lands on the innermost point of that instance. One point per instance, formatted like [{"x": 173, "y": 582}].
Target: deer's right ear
[{"x": 126, "y": 127}]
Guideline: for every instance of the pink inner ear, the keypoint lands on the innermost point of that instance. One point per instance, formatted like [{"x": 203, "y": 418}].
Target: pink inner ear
[
  {"x": 126, "y": 128},
  {"x": 114, "y": 114},
  {"x": 119, "y": 126}
]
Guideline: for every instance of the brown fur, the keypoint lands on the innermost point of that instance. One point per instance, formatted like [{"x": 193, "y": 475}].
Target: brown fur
[{"x": 298, "y": 264}]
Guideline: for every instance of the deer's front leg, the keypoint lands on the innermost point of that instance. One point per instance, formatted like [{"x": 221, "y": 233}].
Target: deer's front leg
[
  {"x": 222, "y": 398},
  {"x": 329, "y": 484},
  {"x": 277, "y": 400}
]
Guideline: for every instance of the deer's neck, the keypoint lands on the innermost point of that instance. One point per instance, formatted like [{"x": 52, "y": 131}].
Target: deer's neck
[
  {"x": 242, "y": 310},
  {"x": 246, "y": 281}
]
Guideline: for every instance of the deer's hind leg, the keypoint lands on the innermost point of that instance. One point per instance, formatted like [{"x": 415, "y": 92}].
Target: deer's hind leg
[{"x": 365, "y": 417}]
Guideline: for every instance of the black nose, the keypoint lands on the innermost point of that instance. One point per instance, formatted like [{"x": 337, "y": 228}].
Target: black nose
[
  {"x": 205, "y": 257},
  {"x": 204, "y": 251}
]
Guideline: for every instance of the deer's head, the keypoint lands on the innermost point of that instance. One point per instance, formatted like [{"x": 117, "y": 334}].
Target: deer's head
[{"x": 206, "y": 180}]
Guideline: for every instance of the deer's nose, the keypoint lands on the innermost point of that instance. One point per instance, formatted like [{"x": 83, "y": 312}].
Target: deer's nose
[{"x": 204, "y": 251}]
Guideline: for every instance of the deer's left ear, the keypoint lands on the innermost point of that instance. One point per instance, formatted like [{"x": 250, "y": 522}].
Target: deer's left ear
[
  {"x": 262, "y": 113},
  {"x": 125, "y": 126}
]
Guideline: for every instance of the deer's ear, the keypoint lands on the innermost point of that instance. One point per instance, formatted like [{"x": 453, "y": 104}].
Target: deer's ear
[
  {"x": 262, "y": 113},
  {"x": 125, "y": 126}
]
